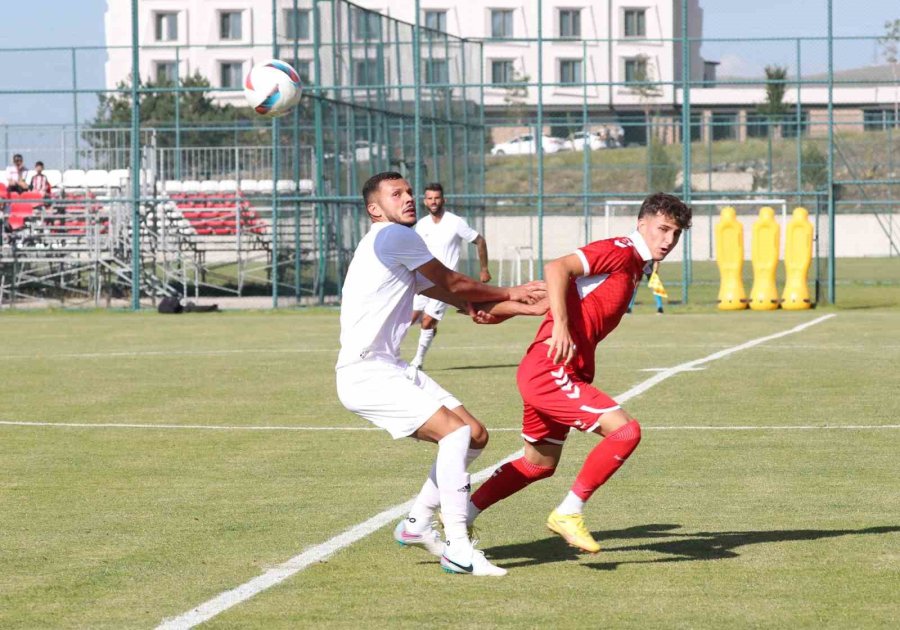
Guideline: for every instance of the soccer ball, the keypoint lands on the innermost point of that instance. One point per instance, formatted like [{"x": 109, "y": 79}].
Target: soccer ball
[{"x": 272, "y": 88}]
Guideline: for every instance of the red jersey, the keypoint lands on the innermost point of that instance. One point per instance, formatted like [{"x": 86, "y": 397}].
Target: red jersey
[{"x": 596, "y": 301}]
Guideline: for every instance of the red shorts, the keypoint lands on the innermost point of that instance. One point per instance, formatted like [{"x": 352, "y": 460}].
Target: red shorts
[{"x": 556, "y": 400}]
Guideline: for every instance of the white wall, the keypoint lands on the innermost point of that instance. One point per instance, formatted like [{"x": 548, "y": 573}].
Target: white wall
[{"x": 858, "y": 235}]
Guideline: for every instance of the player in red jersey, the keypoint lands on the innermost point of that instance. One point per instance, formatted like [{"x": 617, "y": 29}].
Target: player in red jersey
[{"x": 589, "y": 293}]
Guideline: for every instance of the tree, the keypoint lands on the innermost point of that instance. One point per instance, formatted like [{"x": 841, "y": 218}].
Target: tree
[
  {"x": 202, "y": 122},
  {"x": 774, "y": 108},
  {"x": 515, "y": 94},
  {"x": 890, "y": 50}
]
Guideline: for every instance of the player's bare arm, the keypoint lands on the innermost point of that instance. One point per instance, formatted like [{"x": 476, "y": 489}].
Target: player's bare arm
[
  {"x": 473, "y": 291},
  {"x": 496, "y": 312},
  {"x": 481, "y": 247},
  {"x": 558, "y": 273}
]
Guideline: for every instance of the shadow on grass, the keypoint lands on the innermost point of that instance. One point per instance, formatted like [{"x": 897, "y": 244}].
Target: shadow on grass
[
  {"x": 478, "y": 367},
  {"x": 674, "y": 546}
]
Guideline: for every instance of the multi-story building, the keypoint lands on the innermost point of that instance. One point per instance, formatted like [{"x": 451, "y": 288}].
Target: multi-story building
[{"x": 615, "y": 59}]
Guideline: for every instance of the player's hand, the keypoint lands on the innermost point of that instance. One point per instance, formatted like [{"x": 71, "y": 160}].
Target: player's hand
[
  {"x": 561, "y": 347},
  {"x": 529, "y": 293},
  {"x": 485, "y": 276}
]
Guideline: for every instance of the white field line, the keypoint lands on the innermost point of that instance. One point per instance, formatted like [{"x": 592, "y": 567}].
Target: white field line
[
  {"x": 213, "y": 427},
  {"x": 222, "y": 602},
  {"x": 132, "y": 354}
]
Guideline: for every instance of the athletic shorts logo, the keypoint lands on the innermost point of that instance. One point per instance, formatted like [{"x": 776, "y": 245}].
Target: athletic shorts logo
[{"x": 565, "y": 383}]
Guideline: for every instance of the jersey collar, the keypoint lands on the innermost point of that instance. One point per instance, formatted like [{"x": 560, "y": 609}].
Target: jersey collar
[{"x": 641, "y": 246}]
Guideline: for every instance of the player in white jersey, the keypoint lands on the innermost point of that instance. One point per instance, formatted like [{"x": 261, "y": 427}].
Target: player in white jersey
[
  {"x": 391, "y": 264},
  {"x": 444, "y": 233}
]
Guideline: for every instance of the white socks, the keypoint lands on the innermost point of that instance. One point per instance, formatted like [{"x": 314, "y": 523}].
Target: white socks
[
  {"x": 572, "y": 504},
  {"x": 426, "y": 336},
  {"x": 429, "y": 498},
  {"x": 453, "y": 481}
]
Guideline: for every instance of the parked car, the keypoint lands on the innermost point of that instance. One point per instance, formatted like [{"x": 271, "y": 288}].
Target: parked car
[
  {"x": 607, "y": 137},
  {"x": 525, "y": 145}
]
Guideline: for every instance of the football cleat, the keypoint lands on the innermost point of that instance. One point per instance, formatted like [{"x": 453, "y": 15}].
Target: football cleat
[
  {"x": 572, "y": 528},
  {"x": 465, "y": 559},
  {"x": 429, "y": 540}
]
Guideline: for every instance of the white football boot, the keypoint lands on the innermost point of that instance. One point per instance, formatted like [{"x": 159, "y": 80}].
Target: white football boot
[
  {"x": 464, "y": 558},
  {"x": 429, "y": 540}
]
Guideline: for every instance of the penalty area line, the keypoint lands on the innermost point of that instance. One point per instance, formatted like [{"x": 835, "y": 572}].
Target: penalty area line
[{"x": 222, "y": 602}]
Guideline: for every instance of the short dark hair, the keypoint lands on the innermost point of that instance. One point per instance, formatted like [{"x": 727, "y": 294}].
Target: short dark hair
[
  {"x": 17, "y": 155},
  {"x": 38, "y": 163},
  {"x": 436, "y": 187},
  {"x": 669, "y": 205},
  {"x": 374, "y": 182}
]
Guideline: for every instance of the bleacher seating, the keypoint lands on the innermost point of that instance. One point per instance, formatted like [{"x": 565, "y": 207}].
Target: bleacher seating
[
  {"x": 96, "y": 178},
  {"x": 74, "y": 178},
  {"x": 21, "y": 208}
]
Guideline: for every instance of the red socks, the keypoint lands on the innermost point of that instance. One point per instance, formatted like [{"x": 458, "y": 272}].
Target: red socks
[
  {"x": 507, "y": 480},
  {"x": 606, "y": 458}
]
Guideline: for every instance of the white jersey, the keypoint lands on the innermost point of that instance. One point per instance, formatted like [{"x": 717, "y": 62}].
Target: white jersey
[
  {"x": 378, "y": 292},
  {"x": 444, "y": 238}
]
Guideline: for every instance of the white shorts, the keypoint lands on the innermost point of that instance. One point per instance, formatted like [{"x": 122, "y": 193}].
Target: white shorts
[
  {"x": 431, "y": 307},
  {"x": 383, "y": 394}
]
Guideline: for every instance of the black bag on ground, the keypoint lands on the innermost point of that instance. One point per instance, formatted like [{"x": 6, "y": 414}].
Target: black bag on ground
[{"x": 170, "y": 304}]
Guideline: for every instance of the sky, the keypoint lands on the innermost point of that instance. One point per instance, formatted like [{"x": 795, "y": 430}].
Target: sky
[{"x": 68, "y": 23}]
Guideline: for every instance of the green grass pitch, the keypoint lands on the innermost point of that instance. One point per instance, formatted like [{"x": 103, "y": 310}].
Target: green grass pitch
[{"x": 777, "y": 526}]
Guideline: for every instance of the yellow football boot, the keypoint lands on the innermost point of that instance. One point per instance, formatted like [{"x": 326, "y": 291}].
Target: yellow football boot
[{"x": 571, "y": 527}]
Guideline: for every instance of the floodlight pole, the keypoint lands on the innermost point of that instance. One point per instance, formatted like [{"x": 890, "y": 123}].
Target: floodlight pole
[
  {"x": 135, "y": 164},
  {"x": 831, "y": 222},
  {"x": 685, "y": 142},
  {"x": 539, "y": 138},
  {"x": 276, "y": 168},
  {"x": 417, "y": 96}
]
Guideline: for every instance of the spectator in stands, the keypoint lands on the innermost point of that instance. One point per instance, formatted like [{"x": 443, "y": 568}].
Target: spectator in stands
[
  {"x": 15, "y": 175},
  {"x": 39, "y": 182}
]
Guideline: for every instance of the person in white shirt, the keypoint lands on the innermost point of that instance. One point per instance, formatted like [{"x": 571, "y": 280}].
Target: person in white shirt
[
  {"x": 390, "y": 265},
  {"x": 16, "y": 175},
  {"x": 443, "y": 232}
]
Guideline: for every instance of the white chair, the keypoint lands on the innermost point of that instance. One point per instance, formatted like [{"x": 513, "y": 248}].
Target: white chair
[
  {"x": 286, "y": 185},
  {"x": 228, "y": 186},
  {"x": 96, "y": 178},
  {"x": 190, "y": 186},
  {"x": 209, "y": 186},
  {"x": 249, "y": 185},
  {"x": 73, "y": 178},
  {"x": 54, "y": 177},
  {"x": 173, "y": 186},
  {"x": 306, "y": 186},
  {"x": 116, "y": 177},
  {"x": 265, "y": 186}
]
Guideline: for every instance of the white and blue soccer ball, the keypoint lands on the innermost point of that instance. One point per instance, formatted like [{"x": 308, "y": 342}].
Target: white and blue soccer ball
[{"x": 272, "y": 88}]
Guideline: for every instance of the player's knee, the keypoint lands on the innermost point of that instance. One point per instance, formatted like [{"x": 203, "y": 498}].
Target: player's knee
[
  {"x": 480, "y": 435},
  {"x": 629, "y": 432}
]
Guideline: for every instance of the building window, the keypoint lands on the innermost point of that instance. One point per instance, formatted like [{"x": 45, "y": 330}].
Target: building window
[
  {"x": 569, "y": 71},
  {"x": 879, "y": 119},
  {"x": 636, "y": 70},
  {"x": 304, "y": 69},
  {"x": 435, "y": 21},
  {"x": 230, "y": 25},
  {"x": 724, "y": 126},
  {"x": 296, "y": 24},
  {"x": 635, "y": 23},
  {"x": 367, "y": 25},
  {"x": 164, "y": 72},
  {"x": 570, "y": 22},
  {"x": 166, "y": 26},
  {"x": 365, "y": 72},
  {"x": 231, "y": 74},
  {"x": 501, "y": 23},
  {"x": 502, "y": 71},
  {"x": 789, "y": 126},
  {"x": 436, "y": 71},
  {"x": 757, "y": 125}
]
